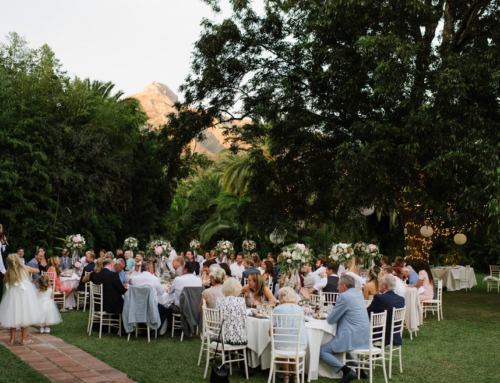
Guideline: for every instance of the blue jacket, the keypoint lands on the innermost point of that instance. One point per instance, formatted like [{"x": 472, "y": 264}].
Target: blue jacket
[
  {"x": 383, "y": 302},
  {"x": 353, "y": 325}
]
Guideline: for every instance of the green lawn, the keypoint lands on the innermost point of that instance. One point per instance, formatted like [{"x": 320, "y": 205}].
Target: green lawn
[
  {"x": 462, "y": 348},
  {"x": 15, "y": 370}
]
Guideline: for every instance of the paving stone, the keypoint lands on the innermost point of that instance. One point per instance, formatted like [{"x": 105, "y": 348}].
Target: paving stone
[
  {"x": 58, "y": 377},
  {"x": 85, "y": 374},
  {"x": 76, "y": 368},
  {"x": 39, "y": 366},
  {"x": 54, "y": 370}
]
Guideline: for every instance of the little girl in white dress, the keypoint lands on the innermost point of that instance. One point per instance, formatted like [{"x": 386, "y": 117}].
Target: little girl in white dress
[
  {"x": 46, "y": 295},
  {"x": 20, "y": 306}
]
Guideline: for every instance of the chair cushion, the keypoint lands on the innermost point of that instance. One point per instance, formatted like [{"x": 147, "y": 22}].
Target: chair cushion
[
  {"x": 288, "y": 353},
  {"x": 375, "y": 350},
  {"x": 228, "y": 346}
]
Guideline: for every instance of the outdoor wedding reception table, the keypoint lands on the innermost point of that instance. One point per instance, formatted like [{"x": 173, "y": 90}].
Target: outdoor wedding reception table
[
  {"x": 448, "y": 275},
  {"x": 319, "y": 332},
  {"x": 71, "y": 281}
]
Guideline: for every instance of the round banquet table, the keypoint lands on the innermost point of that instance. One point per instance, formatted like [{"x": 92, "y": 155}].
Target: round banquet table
[
  {"x": 448, "y": 275},
  {"x": 319, "y": 332},
  {"x": 70, "y": 282}
]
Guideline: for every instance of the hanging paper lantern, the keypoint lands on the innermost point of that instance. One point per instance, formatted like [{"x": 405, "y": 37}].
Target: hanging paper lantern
[
  {"x": 426, "y": 231},
  {"x": 277, "y": 237},
  {"x": 460, "y": 239},
  {"x": 367, "y": 211}
]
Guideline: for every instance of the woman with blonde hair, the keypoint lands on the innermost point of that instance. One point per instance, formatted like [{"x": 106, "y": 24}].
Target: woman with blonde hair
[
  {"x": 54, "y": 272},
  {"x": 371, "y": 287},
  {"x": 233, "y": 312},
  {"x": 90, "y": 277},
  {"x": 217, "y": 276},
  {"x": 256, "y": 292},
  {"x": 21, "y": 306}
]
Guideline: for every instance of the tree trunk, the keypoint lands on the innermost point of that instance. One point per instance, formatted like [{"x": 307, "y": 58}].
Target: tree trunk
[{"x": 416, "y": 245}]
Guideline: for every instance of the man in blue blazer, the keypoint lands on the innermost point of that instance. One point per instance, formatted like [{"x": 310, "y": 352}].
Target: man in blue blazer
[
  {"x": 387, "y": 300},
  {"x": 353, "y": 328}
]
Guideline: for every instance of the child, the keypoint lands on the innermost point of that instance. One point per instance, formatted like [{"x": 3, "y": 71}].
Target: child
[
  {"x": 46, "y": 294},
  {"x": 20, "y": 306}
]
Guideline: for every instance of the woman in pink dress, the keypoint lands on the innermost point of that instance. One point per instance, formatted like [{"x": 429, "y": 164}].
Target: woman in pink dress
[
  {"x": 425, "y": 281},
  {"x": 54, "y": 270}
]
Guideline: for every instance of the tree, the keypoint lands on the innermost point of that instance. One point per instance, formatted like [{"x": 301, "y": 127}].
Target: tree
[{"x": 367, "y": 104}]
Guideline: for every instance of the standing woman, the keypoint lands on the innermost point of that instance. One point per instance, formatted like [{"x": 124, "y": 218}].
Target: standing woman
[{"x": 21, "y": 306}]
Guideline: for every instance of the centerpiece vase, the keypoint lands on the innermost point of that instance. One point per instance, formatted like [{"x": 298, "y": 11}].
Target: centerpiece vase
[{"x": 295, "y": 281}]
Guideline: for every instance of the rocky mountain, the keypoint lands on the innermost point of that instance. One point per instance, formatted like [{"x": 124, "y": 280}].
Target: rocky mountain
[{"x": 158, "y": 99}]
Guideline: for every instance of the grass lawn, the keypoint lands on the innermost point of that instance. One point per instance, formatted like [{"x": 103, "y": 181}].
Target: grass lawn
[
  {"x": 15, "y": 370},
  {"x": 462, "y": 348}
]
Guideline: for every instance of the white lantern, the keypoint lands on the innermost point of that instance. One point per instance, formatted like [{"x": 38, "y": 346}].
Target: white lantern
[
  {"x": 460, "y": 239},
  {"x": 426, "y": 231},
  {"x": 277, "y": 237},
  {"x": 367, "y": 211},
  {"x": 300, "y": 225}
]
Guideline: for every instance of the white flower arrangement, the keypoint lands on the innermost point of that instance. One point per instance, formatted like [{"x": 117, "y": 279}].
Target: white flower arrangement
[
  {"x": 131, "y": 243},
  {"x": 294, "y": 257},
  {"x": 194, "y": 244},
  {"x": 367, "y": 253},
  {"x": 159, "y": 246},
  {"x": 248, "y": 245},
  {"x": 342, "y": 252},
  {"x": 224, "y": 247}
]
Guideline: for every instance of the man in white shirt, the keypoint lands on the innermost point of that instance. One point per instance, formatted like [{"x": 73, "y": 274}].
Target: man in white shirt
[
  {"x": 148, "y": 278},
  {"x": 238, "y": 268},
  {"x": 331, "y": 271},
  {"x": 187, "y": 279},
  {"x": 138, "y": 264},
  {"x": 400, "y": 286},
  {"x": 320, "y": 268},
  {"x": 221, "y": 258}
]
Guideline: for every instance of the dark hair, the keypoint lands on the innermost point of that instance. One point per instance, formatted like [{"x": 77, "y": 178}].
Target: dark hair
[
  {"x": 388, "y": 268},
  {"x": 19, "y": 248},
  {"x": 237, "y": 255},
  {"x": 209, "y": 263},
  {"x": 191, "y": 251},
  {"x": 102, "y": 250},
  {"x": 322, "y": 259},
  {"x": 269, "y": 268},
  {"x": 226, "y": 268},
  {"x": 333, "y": 266},
  {"x": 423, "y": 265},
  {"x": 385, "y": 260},
  {"x": 275, "y": 258},
  {"x": 107, "y": 262},
  {"x": 190, "y": 267}
]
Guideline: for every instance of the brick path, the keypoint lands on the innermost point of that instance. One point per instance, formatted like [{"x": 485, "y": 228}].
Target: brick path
[{"x": 60, "y": 361}]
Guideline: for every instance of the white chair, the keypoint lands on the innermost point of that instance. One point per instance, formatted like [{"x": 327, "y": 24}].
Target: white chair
[
  {"x": 97, "y": 312},
  {"x": 147, "y": 329},
  {"x": 330, "y": 298},
  {"x": 85, "y": 295},
  {"x": 212, "y": 326},
  {"x": 176, "y": 324},
  {"x": 315, "y": 298},
  {"x": 397, "y": 326},
  {"x": 204, "y": 346},
  {"x": 269, "y": 283},
  {"x": 59, "y": 298},
  {"x": 464, "y": 281},
  {"x": 434, "y": 304},
  {"x": 245, "y": 281},
  {"x": 495, "y": 273},
  {"x": 377, "y": 334},
  {"x": 285, "y": 332}
]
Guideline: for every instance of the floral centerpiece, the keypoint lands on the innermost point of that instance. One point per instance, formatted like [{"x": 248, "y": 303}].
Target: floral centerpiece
[
  {"x": 368, "y": 253},
  {"x": 76, "y": 244},
  {"x": 158, "y": 247},
  {"x": 131, "y": 243},
  {"x": 291, "y": 260},
  {"x": 224, "y": 247},
  {"x": 248, "y": 245},
  {"x": 342, "y": 253},
  {"x": 194, "y": 244}
]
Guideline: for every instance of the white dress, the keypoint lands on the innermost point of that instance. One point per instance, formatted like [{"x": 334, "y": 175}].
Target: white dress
[
  {"x": 52, "y": 315},
  {"x": 21, "y": 306}
]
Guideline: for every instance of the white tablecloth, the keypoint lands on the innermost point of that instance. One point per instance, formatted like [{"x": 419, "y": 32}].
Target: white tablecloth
[
  {"x": 448, "y": 276},
  {"x": 319, "y": 332},
  {"x": 70, "y": 282}
]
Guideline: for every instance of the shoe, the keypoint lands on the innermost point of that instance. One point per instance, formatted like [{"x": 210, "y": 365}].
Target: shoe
[
  {"x": 63, "y": 311},
  {"x": 163, "y": 328},
  {"x": 363, "y": 374},
  {"x": 47, "y": 330},
  {"x": 70, "y": 308},
  {"x": 41, "y": 330},
  {"x": 350, "y": 376}
]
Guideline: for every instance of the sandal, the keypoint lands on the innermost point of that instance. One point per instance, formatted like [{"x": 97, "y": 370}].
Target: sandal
[
  {"x": 28, "y": 342},
  {"x": 11, "y": 343}
]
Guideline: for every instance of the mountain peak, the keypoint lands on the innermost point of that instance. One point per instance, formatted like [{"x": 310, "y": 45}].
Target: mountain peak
[{"x": 156, "y": 87}]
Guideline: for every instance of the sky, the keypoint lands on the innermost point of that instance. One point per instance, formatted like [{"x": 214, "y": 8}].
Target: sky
[{"x": 128, "y": 42}]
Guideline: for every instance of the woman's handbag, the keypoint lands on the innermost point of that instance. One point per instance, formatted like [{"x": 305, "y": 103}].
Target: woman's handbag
[{"x": 219, "y": 374}]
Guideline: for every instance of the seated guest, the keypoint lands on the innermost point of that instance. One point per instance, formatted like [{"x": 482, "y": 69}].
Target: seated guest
[
  {"x": 227, "y": 269},
  {"x": 328, "y": 284},
  {"x": 190, "y": 256},
  {"x": 400, "y": 286},
  {"x": 269, "y": 272},
  {"x": 256, "y": 291},
  {"x": 257, "y": 262},
  {"x": 89, "y": 258},
  {"x": 410, "y": 276},
  {"x": 386, "y": 301},
  {"x": 148, "y": 278},
  {"x": 119, "y": 269},
  {"x": 90, "y": 277},
  {"x": 119, "y": 254},
  {"x": 108, "y": 255},
  {"x": 55, "y": 270},
  {"x": 113, "y": 288},
  {"x": 353, "y": 329},
  {"x": 205, "y": 272},
  {"x": 217, "y": 275},
  {"x": 249, "y": 269},
  {"x": 221, "y": 258},
  {"x": 288, "y": 306},
  {"x": 38, "y": 262},
  {"x": 385, "y": 261},
  {"x": 233, "y": 311},
  {"x": 178, "y": 265},
  {"x": 187, "y": 279},
  {"x": 320, "y": 268},
  {"x": 371, "y": 287},
  {"x": 200, "y": 259},
  {"x": 398, "y": 265},
  {"x": 139, "y": 258},
  {"x": 425, "y": 280},
  {"x": 102, "y": 253},
  {"x": 130, "y": 263}
]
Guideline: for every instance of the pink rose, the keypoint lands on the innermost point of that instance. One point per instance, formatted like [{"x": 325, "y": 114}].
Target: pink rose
[
  {"x": 372, "y": 247},
  {"x": 159, "y": 250},
  {"x": 78, "y": 264},
  {"x": 345, "y": 251},
  {"x": 301, "y": 246},
  {"x": 75, "y": 239},
  {"x": 356, "y": 245}
]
